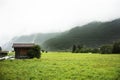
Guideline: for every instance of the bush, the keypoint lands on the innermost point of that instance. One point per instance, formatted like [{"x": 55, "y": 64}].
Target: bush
[
  {"x": 34, "y": 52},
  {"x": 31, "y": 53}
]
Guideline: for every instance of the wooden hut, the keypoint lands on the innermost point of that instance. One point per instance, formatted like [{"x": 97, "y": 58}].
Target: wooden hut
[{"x": 21, "y": 49}]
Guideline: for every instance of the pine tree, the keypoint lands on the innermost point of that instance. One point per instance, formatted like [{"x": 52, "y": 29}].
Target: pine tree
[
  {"x": 74, "y": 49},
  {"x": 0, "y": 48},
  {"x": 116, "y": 47}
]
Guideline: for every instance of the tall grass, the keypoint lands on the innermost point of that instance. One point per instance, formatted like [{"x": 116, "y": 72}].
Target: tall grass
[{"x": 63, "y": 66}]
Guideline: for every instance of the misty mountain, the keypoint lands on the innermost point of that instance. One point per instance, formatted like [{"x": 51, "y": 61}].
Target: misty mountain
[
  {"x": 93, "y": 34},
  {"x": 37, "y": 38}
]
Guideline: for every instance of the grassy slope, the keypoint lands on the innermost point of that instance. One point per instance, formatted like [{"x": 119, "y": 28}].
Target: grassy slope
[{"x": 63, "y": 66}]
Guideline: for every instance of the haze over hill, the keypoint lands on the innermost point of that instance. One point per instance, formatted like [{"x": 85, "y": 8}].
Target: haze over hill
[
  {"x": 37, "y": 38},
  {"x": 25, "y": 17},
  {"x": 93, "y": 34}
]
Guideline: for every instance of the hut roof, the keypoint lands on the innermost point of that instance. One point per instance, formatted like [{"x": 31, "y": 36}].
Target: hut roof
[{"x": 23, "y": 45}]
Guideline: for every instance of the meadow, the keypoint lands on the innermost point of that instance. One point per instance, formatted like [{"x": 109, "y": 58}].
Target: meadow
[{"x": 63, "y": 66}]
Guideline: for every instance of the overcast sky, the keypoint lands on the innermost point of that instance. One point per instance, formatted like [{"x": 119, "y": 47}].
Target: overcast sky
[{"x": 19, "y": 17}]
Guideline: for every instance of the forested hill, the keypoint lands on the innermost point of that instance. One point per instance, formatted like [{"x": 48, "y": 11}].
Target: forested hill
[{"x": 93, "y": 34}]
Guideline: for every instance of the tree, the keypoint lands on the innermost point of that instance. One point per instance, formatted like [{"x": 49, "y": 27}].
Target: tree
[
  {"x": 0, "y": 48},
  {"x": 80, "y": 46},
  {"x": 106, "y": 49},
  {"x": 77, "y": 48},
  {"x": 86, "y": 50},
  {"x": 36, "y": 48},
  {"x": 116, "y": 47},
  {"x": 95, "y": 50},
  {"x": 74, "y": 49},
  {"x": 34, "y": 52}
]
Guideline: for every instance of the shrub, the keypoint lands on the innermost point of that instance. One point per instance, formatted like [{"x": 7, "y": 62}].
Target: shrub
[
  {"x": 34, "y": 52},
  {"x": 31, "y": 53}
]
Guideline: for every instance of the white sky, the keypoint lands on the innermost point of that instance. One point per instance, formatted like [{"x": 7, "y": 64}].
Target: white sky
[{"x": 19, "y": 17}]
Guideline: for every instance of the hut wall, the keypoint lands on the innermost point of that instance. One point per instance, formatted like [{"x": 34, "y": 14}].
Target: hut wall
[{"x": 21, "y": 52}]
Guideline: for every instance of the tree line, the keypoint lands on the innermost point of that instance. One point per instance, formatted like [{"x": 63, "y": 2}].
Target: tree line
[{"x": 107, "y": 48}]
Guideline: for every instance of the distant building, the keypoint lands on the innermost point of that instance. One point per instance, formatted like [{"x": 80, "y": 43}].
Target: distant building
[{"x": 21, "y": 49}]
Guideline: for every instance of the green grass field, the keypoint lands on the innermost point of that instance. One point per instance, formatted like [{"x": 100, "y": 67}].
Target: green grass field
[{"x": 63, "y": 66}]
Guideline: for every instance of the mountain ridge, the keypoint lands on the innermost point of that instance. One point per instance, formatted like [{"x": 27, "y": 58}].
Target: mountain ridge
[
  {"x": 37, "y": 38},
  {"x": 93, "y": 34}
]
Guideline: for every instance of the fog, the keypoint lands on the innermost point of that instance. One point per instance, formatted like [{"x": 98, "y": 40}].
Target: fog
[{"x": 20, "y": 17}]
